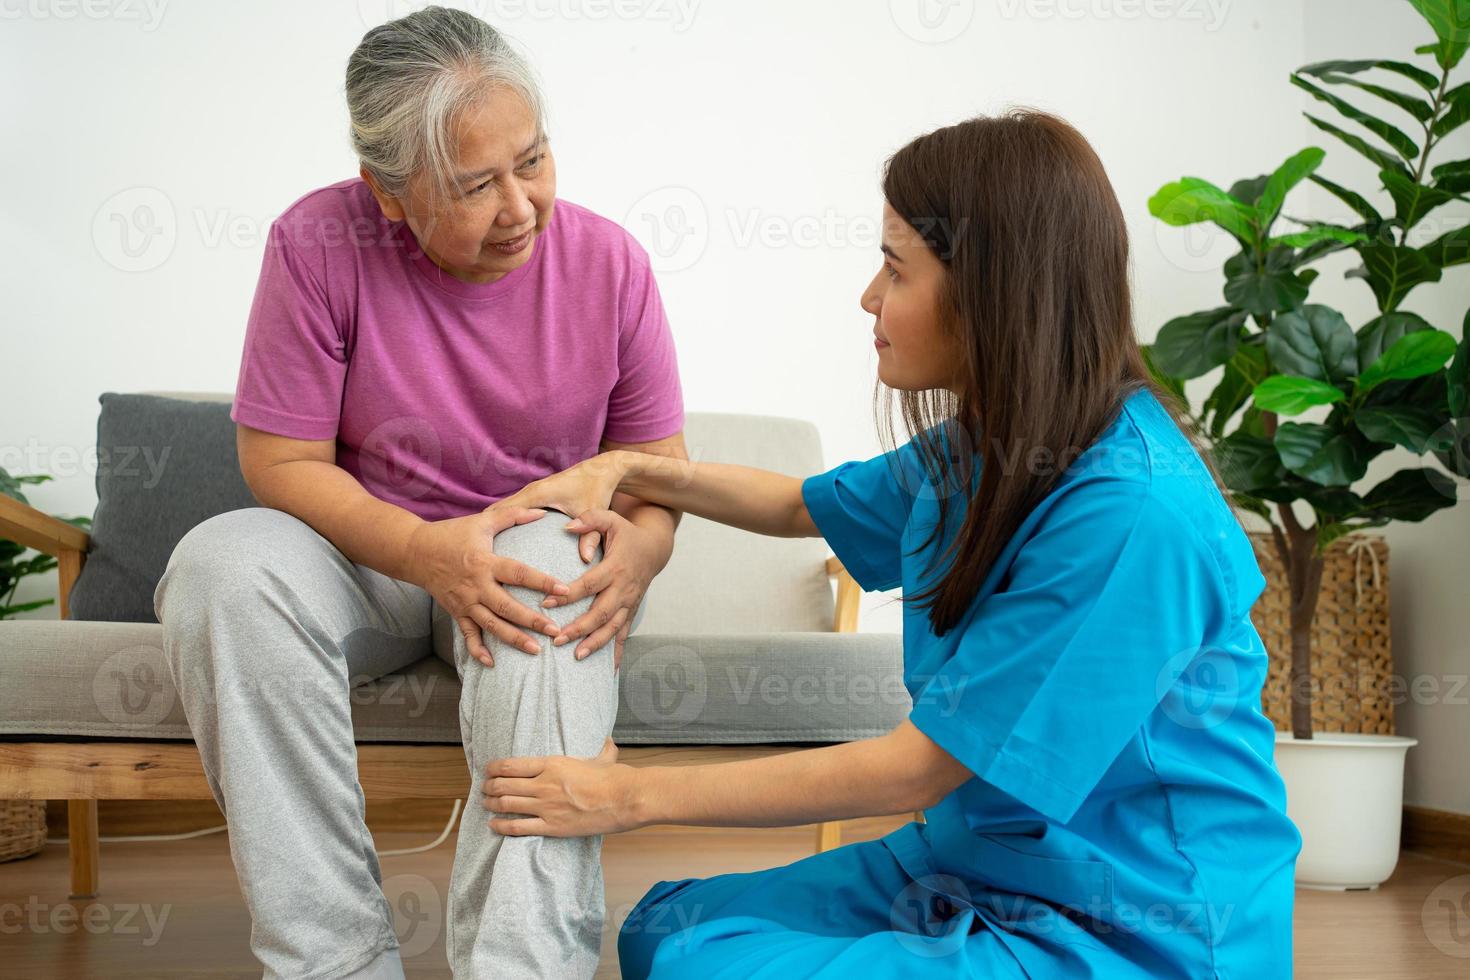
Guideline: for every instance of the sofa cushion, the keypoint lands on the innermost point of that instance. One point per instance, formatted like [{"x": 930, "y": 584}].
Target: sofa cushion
[
  {"x": 109, "y": 680},
  {"x": 163, "y": 466}
]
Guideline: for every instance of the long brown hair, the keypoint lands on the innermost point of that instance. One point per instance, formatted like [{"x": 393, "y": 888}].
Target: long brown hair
[{"x": 1036, "y": 300}]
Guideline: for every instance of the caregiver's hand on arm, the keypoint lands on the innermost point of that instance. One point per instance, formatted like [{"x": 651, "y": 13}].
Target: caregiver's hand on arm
[
  {"x": 451, "y": 559},
  {"x": 559, "y": 796}
]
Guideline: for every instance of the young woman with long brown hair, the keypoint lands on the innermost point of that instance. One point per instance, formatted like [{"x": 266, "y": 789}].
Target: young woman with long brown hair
[{"x": 1086, "y": 738}]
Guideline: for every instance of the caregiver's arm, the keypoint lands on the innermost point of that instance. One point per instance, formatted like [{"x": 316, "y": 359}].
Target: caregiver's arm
[
  {"x": 741, "y": 496},
  {"x": 560, "y": 796},
  {"x": 900, "y": 772}
]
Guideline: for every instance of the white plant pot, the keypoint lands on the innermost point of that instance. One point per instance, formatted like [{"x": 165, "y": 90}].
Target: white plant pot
[{"x": 1345, "y": 793}]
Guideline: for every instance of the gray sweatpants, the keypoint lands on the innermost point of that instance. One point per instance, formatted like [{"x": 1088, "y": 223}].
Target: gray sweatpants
[{"x": 267, "y": 627}]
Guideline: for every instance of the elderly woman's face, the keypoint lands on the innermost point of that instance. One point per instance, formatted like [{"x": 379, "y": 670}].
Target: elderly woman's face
[{"x": 503, "y": 189}]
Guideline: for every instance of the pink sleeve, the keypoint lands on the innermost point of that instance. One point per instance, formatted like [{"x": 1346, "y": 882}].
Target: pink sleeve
[
  {"x": 646, "y": 402},
  {"x": 294, "y": 363}
]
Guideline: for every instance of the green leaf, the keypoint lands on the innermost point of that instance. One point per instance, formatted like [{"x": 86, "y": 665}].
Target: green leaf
[
  {"x": 1315, "y": 234},
  {"x": 1451, "y": 248},
  {"x": 1453, "y": 176},
  {"x": 1410, "y": 495},
  {"x": 1411, "y": 104},
  {"x": 1381, "y": 157},
  {"x": 1242, "y": 372},
  {"x": 1390, "y": 134},
  {"x": 1287, "y": 394},
  {"x": 1248, "y": 190},
  {"x": 1165, "y": 381},
  {"x": 1320, "y": 453},
  {"x": 1411, "y": 356},
  {"x": 1451, "y": 22},
  {"x": 1457, "y": 376},
  {"x": 7, "y": 612},
  {"x": 1454, "y": 115},
  {"x": 1189, "y": 346},
  {"x": 1336, "y": 502},
  {"x": 1191, "y": 200},
  {"x": 1313, "y": 342},
  {"x": 1383, "y": 331},
  {"x": 1247, "y": 463},
  {"x": 1415, "y": 429},
  {"x": 1393, "y": 270},
  {"x": 1351, "y": 198},
  {"x": 1265, "y": 293},
  {"x": 1283, "y": 179},
  {"x": 1412, "y": 201},
  {"x": 1419, "y": 76}
]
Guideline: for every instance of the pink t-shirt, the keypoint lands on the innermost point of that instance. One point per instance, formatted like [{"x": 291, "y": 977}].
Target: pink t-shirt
[{"x": 444, "y": 395}]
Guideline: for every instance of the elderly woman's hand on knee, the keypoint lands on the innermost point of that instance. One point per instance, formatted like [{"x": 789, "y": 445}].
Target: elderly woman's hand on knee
[{"x": 454, "y": 560}]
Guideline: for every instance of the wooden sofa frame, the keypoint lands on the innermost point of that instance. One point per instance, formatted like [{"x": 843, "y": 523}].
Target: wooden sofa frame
[{"x": 81, "y": 773}]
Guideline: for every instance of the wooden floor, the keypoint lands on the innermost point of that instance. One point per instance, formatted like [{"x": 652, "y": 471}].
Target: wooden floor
[{"x": 173, "y": 909}]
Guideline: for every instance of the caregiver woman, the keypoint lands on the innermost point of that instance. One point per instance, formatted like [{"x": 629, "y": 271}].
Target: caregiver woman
[
  {"x": 1086, "y": 737},
  {"x": 423, "y": 342}
]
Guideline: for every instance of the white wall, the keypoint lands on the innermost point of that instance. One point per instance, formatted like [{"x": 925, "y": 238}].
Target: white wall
[{"x": 761, "y": 123}]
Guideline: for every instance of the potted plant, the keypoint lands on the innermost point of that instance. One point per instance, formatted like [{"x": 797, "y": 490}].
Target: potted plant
[{"x": 1303, "y": 401}]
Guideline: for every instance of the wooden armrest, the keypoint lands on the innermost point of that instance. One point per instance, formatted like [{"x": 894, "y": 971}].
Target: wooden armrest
[
  {"x": 32, "y": 528},
  {"x": 848, "y": 595},
  {"x": 49, "y": 535}
]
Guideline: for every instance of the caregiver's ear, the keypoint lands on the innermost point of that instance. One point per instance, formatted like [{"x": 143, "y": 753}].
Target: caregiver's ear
[{"x": 392, "y": 210}]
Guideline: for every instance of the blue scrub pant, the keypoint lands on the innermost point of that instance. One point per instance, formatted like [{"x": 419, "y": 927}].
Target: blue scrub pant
[{"x": 848, "y": 912}]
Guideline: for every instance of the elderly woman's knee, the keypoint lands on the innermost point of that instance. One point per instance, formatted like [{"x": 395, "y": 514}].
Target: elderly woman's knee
[
  {"x": 547, "y": 546},
  {"x": 227, "y": 559}
]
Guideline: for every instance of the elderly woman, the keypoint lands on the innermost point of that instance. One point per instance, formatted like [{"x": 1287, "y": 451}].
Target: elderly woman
[{"x": 424, "y": 341}]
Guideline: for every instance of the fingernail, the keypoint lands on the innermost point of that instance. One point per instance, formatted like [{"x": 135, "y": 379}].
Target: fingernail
[
  {"x": 561, "y": 589},
  {"x": 530, "y": 647},
  {"x": 560, "y": 639}
]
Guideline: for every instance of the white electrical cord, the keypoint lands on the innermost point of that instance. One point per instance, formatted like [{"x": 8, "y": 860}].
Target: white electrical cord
[{"x": 214, "y": 830}]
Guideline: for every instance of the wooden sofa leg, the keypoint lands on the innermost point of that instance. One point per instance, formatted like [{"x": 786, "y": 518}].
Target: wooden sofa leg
[
  {"x": 829, "y": 835},
  {"x": 81, "y": 828}
]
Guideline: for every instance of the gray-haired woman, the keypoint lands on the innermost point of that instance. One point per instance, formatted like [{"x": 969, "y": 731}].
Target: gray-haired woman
[{"x": 424, "y": 342}]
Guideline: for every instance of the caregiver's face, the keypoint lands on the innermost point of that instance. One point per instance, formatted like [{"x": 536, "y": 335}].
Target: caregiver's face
[
  {"x": 913, "y": 352},
  {"x": 503, "y": 190}
]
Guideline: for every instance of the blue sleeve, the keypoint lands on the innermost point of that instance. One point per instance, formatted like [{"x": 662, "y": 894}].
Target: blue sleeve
[
  {"x": 1107, "y": 601},
  {"x": 861, "y": 507}
]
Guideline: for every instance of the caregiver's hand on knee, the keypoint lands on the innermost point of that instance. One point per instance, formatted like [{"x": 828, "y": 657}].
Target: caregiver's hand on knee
[
  {"x": 587, "y": 485},
  {"x": 561, "y": 796},
  {"x": 631, "y": 557},
  {"x": 455, "y": 562}
]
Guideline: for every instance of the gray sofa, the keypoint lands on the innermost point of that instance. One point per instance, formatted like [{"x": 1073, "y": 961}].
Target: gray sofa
[{"x": 742, "y": 651}]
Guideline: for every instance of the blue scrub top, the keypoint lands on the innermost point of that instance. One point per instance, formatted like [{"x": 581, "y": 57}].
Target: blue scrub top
[{"x": 1104, "y": 689}]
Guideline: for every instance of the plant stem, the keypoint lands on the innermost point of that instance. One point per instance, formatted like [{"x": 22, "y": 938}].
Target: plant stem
[{"x": 1444, "y": 80}]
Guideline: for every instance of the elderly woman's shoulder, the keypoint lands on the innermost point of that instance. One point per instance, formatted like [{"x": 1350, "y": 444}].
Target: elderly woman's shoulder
[
  {"x": 338, "y": 213},
  {"x": 595, "y": 233}
]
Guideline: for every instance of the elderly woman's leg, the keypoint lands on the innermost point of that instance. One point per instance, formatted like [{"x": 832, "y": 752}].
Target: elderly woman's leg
[
  {"x": 266, "y": 628},
  {"x": 528, "y": 906}
]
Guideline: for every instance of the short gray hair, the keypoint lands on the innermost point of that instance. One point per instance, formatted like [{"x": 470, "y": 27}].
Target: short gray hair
[{"x": 411, "y": 78}]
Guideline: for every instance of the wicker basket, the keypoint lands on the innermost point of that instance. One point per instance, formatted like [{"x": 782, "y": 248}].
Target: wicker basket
[
  {"x": 22, "y": 828},
  {"x": 1352, "y": 666}
]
